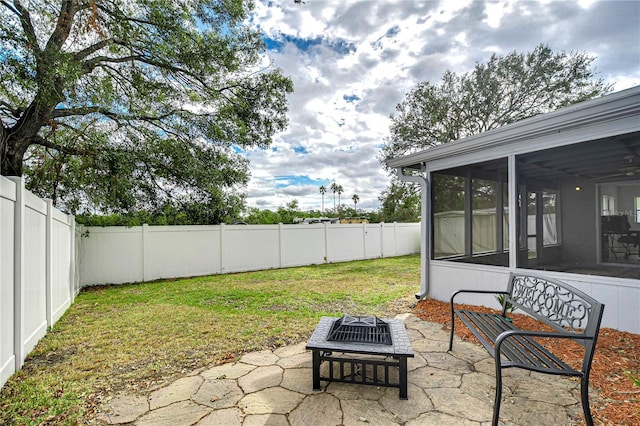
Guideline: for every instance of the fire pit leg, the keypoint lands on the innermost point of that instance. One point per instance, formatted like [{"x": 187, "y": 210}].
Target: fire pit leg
[
  {"x": 316, "y": 369},
  {"x": 403, "y": 377}
]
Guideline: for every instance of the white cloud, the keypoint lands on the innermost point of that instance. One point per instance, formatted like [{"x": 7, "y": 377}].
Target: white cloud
[{"x": 353, "y": 62}]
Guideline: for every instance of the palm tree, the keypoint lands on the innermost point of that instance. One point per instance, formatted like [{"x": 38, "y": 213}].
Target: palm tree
[
  {"x": 334, "y": 188},
  {"x": 355, "y": 199},
  {"x": 323, "y": 190},
  {"x": 340, "y": 190}
]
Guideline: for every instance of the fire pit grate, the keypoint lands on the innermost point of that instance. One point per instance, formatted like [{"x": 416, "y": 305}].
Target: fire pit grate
[{"x": 360, "y": 329}]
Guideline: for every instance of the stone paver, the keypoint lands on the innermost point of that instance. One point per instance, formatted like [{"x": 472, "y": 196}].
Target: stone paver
[
  {"x": 184, "y": 413},
  {"x": 321, "y": 409},
  {"x": 180, "y": 390},
  {"x": 273, "y": 388},
  {"x": 124, "y": 409},
  {"x": 270, "y": 401},
  {"x": 261, "y": 378}
]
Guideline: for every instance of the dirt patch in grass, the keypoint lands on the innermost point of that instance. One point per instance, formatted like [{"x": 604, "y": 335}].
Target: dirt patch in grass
[{"x": 616, "y": 352}]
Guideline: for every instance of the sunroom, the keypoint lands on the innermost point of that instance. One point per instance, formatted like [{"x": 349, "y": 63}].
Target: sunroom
[{"x": 558, "y": 193}]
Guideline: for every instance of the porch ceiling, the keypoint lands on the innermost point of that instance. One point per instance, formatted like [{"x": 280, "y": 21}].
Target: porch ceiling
[{"x": 603, "y": 160}]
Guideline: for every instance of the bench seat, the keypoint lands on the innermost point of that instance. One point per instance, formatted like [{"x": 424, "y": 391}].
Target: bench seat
[{"x": 516, "y": 351}]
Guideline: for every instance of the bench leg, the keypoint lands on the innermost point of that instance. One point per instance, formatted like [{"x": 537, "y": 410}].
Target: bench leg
[
  {"x": 498, "y": 400},
  {"x": 452, "y": 326},
  {"x": 584, "y": 392}
]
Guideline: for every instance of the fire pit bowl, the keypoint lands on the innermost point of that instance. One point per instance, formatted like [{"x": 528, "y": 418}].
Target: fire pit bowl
[{"x": 360, "y": 329}]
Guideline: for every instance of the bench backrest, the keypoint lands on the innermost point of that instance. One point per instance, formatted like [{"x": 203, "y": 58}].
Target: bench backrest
[{"x": 558, "y": 305}]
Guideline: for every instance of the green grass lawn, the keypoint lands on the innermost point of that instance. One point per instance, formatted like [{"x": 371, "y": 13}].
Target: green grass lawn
[{"x": 135, "y": 337}]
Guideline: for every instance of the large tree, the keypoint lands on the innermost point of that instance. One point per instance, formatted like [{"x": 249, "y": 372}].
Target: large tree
[
  {"x": 113, "y": 105},
  {"x": 503, "y": 90}
]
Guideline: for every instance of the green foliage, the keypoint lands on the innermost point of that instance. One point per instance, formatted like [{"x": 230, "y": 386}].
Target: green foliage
[
  {"x": 169, "y": 214},
  {"x": 401, "y": 202},
  {"x": 501, "y": 299},
  {"x": 123, "y": 106},
  {"x": 504, "y": 90}
]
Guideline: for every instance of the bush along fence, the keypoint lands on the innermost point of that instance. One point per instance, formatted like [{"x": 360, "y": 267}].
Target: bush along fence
[{"x": 45, "y": 259}]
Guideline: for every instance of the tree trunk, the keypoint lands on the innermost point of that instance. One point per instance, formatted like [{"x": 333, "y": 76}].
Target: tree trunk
[{"x": 12, "y": 156}]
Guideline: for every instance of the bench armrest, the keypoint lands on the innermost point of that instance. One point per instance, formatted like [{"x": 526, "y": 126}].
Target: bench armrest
[{"x": 552, "y": 334}]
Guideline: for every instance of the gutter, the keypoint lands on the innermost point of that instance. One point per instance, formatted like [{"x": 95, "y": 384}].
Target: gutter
[{"x": 425, "y": 227}]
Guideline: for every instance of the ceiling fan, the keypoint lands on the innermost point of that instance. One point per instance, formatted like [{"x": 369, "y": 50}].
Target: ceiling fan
[{"x": 626, "y": 170}]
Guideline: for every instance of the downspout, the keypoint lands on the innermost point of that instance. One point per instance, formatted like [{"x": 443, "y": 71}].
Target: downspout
[{"x": 425, "y": 228}]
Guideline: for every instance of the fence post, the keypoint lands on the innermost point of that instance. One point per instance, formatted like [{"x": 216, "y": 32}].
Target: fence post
[
  {"x": 73, "y": 267},
  {"x": 364, "y": 240},
  {"x": 280, "y": 245},
  {"x": 222, "y": 268},
  {"x": 326, "y": 242},
  {"x": 48, "y": 260},
  {"x": 395, "y": 238},
  {"x": 145, "y": 230},
  {"x": 18, "y": 279},
  {"x": 382, "y": 239}
]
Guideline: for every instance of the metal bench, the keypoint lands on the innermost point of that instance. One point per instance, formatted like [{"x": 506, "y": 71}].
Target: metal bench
[{"x": 570, "y": 312}]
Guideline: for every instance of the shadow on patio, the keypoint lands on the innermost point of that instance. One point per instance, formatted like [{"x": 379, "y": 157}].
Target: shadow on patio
[{"x": 275, "y": 388}]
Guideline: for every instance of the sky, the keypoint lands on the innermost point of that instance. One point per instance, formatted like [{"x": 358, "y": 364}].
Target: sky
[{"x": 352, "y": 62}]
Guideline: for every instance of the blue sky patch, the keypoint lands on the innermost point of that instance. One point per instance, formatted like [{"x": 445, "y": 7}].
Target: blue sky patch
[
  {"x": 351, "y": 98},
  {"x": 285, "y": 181},
  {"x": 306, "y": 44},
  {"x": 300, "y": 150}
]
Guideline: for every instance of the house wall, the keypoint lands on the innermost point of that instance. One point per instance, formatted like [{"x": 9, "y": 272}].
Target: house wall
[
  {"x": 579, "y": 238},
  {"x": 621, "y": 297}
]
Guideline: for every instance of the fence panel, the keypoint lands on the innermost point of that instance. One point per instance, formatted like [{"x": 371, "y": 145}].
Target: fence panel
[
  {"x": 407, "y": 238},
  {"x": 114, "y": 255},
  {"x": 37, "y": 271},
  {"x": 180, "y": 251},
  {"x": 247, "y": 248},
  {"x": 373, "y": 240},
  {"x": 111, "y": 255},
  {"x": 345, "y": 242},
  {"x": 303, "y": 245},
  {"x": 34, "y": 274},
  {"x": 62, "y": 274},
  {"x": 7, "y": 314}
]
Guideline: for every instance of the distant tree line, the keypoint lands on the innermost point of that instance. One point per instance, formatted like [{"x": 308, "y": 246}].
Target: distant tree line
[{"x": 200, "y": 215}]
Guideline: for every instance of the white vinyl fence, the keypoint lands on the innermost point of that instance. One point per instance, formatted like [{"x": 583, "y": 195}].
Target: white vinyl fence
[
  {"x": 113, "y": 255},
  {"x": 37, "y": 271},
  {"x": 45, "y": 259}
]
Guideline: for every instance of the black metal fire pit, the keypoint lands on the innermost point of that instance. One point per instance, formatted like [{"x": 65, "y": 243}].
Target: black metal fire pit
[
  {"x": 361, "y": 350},
  {"x": 360, "y": 329}
]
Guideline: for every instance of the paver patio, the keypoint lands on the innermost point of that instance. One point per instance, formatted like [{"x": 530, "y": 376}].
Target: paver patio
[{"x": 275, "y": 388}]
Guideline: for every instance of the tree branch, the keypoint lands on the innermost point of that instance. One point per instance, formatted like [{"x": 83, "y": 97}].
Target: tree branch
[
  {"x": 68, "y": 112},
  {"x": 68, "y": 9},
  {"x": 39, "y": 140},
  {"x": 92, "y": 49},
  {"x": 25, "y": 21}
]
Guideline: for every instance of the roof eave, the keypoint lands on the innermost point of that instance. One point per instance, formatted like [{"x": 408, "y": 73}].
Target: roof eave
[{"x": 605, "y": 108}]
